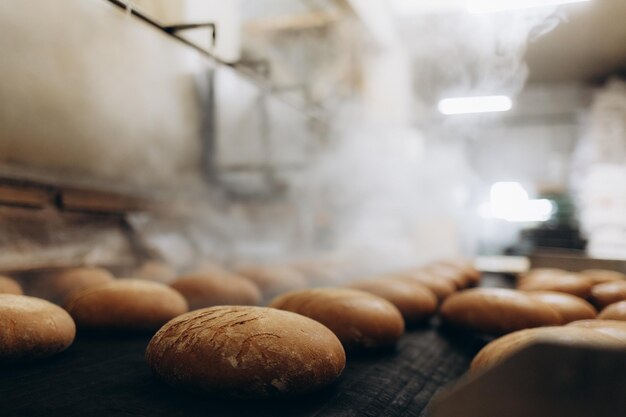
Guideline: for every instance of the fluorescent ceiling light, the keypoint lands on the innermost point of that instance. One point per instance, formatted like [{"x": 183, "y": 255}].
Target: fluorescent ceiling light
[
  {"x": 479, "y": 104},
  {"x": 489, "y": 6}
]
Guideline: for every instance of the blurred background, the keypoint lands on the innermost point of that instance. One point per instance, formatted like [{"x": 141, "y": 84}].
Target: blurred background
[{"x": 381, "y": 133}]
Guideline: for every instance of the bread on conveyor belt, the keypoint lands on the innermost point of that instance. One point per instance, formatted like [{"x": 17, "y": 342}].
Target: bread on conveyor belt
[
  {"x": 608, "y": 293},
  {"x": 157, "y": 271},
  {"x": 505, "y": 346},
  {"x": 10, "y": 286},
  {"x": 359, "y": 319},
  {"x": 497, "y": 310},
  {"x": 442, "y": 288},
  {"x": 570, "y": 307},
  {"x": 574, "y": 284},
  {"x": 32, "y": 328},
  {"x": 414, "y": 300},
  {"x": 125, "y": 304},
  {"x": 273, "y": 279},
  {"x": 58, "y": 285},
  {"x": 599, "y": 276},
  {"x": 206, "y": 289},
  {"x": 243, "y": 351},
  {"x": 615, "y": 311}
]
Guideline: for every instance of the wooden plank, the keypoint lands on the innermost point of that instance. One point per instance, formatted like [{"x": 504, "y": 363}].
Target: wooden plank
[
  {"x": 25, "y": 195},
  {"x": 101, "y": 202}
]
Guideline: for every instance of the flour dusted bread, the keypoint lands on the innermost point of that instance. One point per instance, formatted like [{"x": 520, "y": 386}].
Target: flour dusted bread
[
  {"x": 599, "y": 276},
  {"x": 244, "y": 351},
  {"x": 615, "y": 311},
  {"x": 505, "y": 346},
  {"x": 273, "y": 279},
  {"x": 205, "y": 289},
  {"x": 359, "y": 319},
  {"x": 10, "y": 286},
  {"x": 125, "y": 304},
  {"x": 415, "y": 301},
  {"x": 574, "y": 284},
  {"x": 608, "y": 293},
  {"x": 57, "y": 286},
  {"x": 497, "y": 310},
  {"x": 570, "y": 307},
  {"x": 32, "y": 328}
]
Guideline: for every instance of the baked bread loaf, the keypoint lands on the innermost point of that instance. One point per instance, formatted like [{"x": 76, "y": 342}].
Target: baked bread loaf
[
  {"x": 574, "y": 284},
  {"x": 608, "y": 293},
  {"x": 59, "y": 285},
  {"x": 449, "y": 273},
  {"x": 359, "y": 319},
  {"x": 441, "y": 287},
  {"x": 125, "y": 304},
  {"x": 157, "y": 271},
  {"x": 273, "y": 279},
  {"x": 497, "y": 311},
  {"x": 613, "y": 328},
  {"x": 599, "y": 276},
  {"x": 505, "y": 346},
  {"x": 570, "y": 307},
  {"x": 467, "y": 268},
  {"x": 543, "y": 273},
  {"x": 615, "y": 311},
  {"x": 10, "y": 286},
  {"x": 242, "y": 351},
  {"x": 415, "y": 301},
  {"x": 210, "y": 289},
  {"x": 32, "y": 328}
]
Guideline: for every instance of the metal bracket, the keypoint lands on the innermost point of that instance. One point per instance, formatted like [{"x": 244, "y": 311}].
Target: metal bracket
[{"x": 173, "y": 29}]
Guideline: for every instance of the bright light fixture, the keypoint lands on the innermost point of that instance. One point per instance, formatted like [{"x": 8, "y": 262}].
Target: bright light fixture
[
  {"x": 479, "y": 104},
  {"x": 509, "y": 201},
  {"x": 489, "y": 6}
]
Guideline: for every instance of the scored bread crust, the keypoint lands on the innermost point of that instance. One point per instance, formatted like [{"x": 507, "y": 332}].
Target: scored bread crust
[
  {"x": 497, "y": 311},
  {"x": 32, "y": 328},
  {"x": 243, "y": 351},
  {"x": 125, "y": 304},
  {"x": 359, "y": 319},
  {"x": 414, "y": 300}
]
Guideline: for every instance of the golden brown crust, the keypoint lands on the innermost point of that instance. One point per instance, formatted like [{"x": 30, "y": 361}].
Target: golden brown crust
[
  {"x": 497, "y": 311},
  {"x": 246, "y": 352},
  {"x": 613, "y": 328},
  {"x": 608, "y": 293},
  {"x": 471, "y": 275},
  {"x": 615, "y": 311},
  {"x": 213, "y": 288},
  {"x": 157, "y": 271},
  {"x": 273, "y": 279},
  {"x": 125, "y": 304},
  {"x": 505, "y": 346},
  {"x": 359, "y": 319},
  {"x": 442, "y": 288},
  {"x": 10, "y": 286},
  {"x": 574, "y": 284},
  {"x": 59, "y": 285},
  {"x": 414, "y": 300},
  {"x": 32, "y": 328},
  {"x": 448, "y": 272},
  {"x": 599, "y": 276},
  {"x": 570, "y": 307}
]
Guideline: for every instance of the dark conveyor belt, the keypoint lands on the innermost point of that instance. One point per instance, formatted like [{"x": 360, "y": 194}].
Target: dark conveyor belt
[{"x": 107, "y": 376}]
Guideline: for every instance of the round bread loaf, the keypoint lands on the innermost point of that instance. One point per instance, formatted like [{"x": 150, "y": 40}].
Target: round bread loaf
[
  {"x": 613, "y": 328},
  {"x": 441, "y": 287},
  {"x": 32, "y": 328},
  {"x": 213, "y": 288},
  {"x": 10, "y": 286},
  {"x": 599, "y": 276},
  {"x": 246, "y": 352},
  {"x": 574, "y": 284},
  {"x": 608, "y": 293},
  {"x": 59, "y": 285},
  {"x": 467, "y": 267},
  {"x": 497, "y": 310},
  {"x": 157, "y": 271},
  {"x": 359, "y": 319},
  {"x": 125, "y": 304},
  {"x": 570, "y": 307},
  {"x": 448, "y": 272},
  {"x": 505, "y": 346},
  {"x": 615, "y": 311},
  {"x": 415, "y": 301},
  {"x": 543, "y": 273},
  {"x": 318, "y": 273},
  {"x": 273, "y": 279}
]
